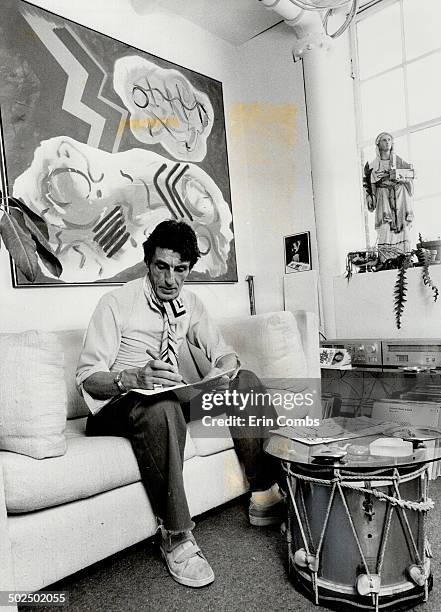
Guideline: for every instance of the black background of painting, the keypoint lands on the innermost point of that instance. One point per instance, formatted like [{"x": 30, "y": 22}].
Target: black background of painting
[
  {"x": 30, "y": 75},
  {"x": 304, "y": 250}
]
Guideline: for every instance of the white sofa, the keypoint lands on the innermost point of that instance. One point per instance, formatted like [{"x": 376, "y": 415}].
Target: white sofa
[{"x": 61, "y": 514}]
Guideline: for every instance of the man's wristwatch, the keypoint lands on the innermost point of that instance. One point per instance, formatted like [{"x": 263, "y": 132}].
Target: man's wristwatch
[{"x": 118, "y": 382}]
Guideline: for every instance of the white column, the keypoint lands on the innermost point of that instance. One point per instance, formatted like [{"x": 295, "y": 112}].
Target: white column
[
  {"x": 326, "y": 166},
  {"x": 335, "y": 167}
]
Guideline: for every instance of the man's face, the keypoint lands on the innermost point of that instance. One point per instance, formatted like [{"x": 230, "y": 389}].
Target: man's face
[{"x": 167, "y": 273}]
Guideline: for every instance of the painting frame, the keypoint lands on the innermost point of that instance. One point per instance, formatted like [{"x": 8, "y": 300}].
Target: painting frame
[
  {"x": 214, "y": 169},
  {"x": 297, "y": 252}
]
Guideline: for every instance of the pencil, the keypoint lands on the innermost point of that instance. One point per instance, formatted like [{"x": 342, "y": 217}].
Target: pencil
[{"x": 150, "y": 354}]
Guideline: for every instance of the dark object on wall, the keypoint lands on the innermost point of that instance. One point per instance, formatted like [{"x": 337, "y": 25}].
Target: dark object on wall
[
  {"x": 361, "y": 261},
  {"x": 251, "y": 296},
  {"x": 101, "y": 142},
  {"x": 297, "y": 253}
]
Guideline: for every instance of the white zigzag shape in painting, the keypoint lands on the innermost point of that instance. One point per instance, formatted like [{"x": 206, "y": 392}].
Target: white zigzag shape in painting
[
  {"x": 77, "y": 80},
  {"x": 122, "y": 111}
]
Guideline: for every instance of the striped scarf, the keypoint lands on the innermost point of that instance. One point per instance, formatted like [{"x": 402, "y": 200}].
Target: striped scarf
[{"x": 170, "y": 312}]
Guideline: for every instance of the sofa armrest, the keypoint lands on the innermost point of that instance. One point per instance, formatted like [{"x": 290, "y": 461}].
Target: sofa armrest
[
  {"x": 307, "y": 323},
  {"x": 7, "y": 581}
]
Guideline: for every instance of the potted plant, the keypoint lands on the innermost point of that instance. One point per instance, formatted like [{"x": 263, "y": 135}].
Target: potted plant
[
  {"x": 424, "y": 259},
  {"x": 433, "y": 245},
  {"x": 25, "y": 235}
]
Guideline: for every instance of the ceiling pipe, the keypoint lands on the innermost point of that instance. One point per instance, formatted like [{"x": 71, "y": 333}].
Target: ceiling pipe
[
  {"x": 285, "y": 8},
  {"x": 307, "y": 25}
]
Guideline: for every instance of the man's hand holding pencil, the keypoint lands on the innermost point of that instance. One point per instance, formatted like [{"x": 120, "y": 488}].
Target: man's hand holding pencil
[{"x": 157, "y": 374}]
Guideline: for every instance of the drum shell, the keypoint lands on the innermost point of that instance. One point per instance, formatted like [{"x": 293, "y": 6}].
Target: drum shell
[{"x": 340, "y": 558}]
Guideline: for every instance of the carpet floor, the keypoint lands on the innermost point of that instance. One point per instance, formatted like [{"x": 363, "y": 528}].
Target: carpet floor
[{"x": 250, "y": 565}]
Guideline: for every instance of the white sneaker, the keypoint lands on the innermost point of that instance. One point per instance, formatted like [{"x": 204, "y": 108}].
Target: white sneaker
[
  {"x": 263, "y": 516},
  {"x": 185, "y": 561}
]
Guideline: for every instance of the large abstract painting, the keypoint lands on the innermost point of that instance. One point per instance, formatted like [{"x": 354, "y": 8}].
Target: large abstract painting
[{"x": 103, "y": 141}]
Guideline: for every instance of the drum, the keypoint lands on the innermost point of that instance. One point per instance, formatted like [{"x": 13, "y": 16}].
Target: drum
[{"x": 357, "y": 539}]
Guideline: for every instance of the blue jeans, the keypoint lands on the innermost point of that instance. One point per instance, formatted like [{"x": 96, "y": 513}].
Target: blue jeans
[{"x": 157, "y": 429}]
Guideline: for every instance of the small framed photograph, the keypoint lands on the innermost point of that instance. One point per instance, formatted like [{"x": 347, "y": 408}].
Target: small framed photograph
[{"x": 297, "y": 253}]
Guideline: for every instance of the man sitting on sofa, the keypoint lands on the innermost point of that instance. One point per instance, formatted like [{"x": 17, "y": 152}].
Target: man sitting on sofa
[{"x": 132, "y": 342}]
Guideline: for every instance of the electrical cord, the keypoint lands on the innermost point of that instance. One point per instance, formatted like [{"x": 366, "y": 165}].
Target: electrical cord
[
  {"x": 349, "y": 17},
  {"x": 315, "y": 7}
]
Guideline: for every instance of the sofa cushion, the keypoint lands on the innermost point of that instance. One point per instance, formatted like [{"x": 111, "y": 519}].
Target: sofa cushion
[
  {"x": 90, "y": 466},
  {"x": 72, "y": 343},
  {"x": 32, "y": 394},
  {"x": 210, "y": 440},
  {"x": 268, "y": 344}
]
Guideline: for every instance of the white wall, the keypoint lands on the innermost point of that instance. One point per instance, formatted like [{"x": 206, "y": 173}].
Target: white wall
[
  {"x": 274, "y": 133},
  {"x": 177, "y": 40},
  {"x": 274, "y": 122}
]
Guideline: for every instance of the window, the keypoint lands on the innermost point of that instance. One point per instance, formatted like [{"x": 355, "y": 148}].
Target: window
[{"x": 397, "y": 61}]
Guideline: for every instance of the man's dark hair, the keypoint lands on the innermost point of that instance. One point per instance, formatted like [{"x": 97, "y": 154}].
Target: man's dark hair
[{"x": 177, "y": 236}]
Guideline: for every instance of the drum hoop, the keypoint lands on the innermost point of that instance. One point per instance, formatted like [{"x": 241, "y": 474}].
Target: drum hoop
[
  {"x": 350, "y": 590},
  {"x": 365, "y": 476},
  {"x": 342, "y": 480}
]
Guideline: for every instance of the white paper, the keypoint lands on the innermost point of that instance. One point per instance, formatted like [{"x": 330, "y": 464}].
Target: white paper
[{"x": 187, "y": 391}]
